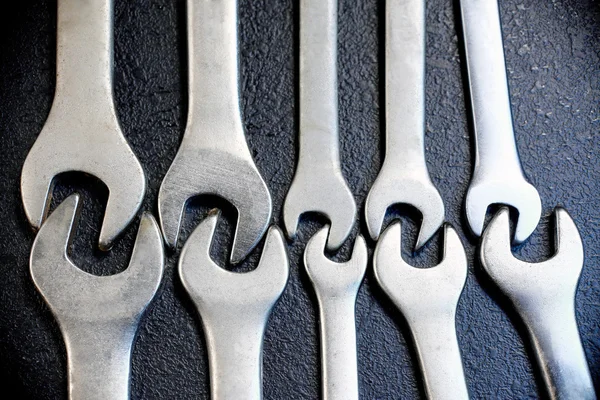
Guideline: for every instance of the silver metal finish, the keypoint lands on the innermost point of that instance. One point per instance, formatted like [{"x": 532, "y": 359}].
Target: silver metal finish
[
  {"x": 544, "y": 297},
  {"x": 214, "y": 157},
  {"x": 336, "y": 286},
  {"x": 98, "y": 315},
  {"x": 234, "y": 309},
  {"x": 404, "y": 177},
  {"x": 318, "y": 185},
  {"x": 498, "y": 176},
  {"x": 82, "y": 132},
  {"x": 428, "y": 297}
]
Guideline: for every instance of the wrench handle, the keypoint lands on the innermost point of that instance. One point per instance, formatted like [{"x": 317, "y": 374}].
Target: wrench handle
[
  {"x": 338, "y": 348},
  {"x": 214, "y": 115},
  {"x": 405, "y": 82},
  {"x": 439, "y": 359},
  {"x": 560, "y": 354},
  {"x": 318, "y": 83},
  {"x": 98, "y": 359},
  {"x": 496, "y": 149}
]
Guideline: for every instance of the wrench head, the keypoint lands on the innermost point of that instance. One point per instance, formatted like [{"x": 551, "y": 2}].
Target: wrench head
[
  {"x": 107, "y": 156},
  {"x": 75, "y": 296},
  {"x": 211, "y": 286},
  {"x": 323, "y": 193},
  {"x": 517, "y": 193},
  {"x": 421, "y": 292},
  {"x": 331, "y": 278},
  {"x": 525, "y": 283},
  {"x": 225, "y": 174},
  {"x": 392, "y": 187}
]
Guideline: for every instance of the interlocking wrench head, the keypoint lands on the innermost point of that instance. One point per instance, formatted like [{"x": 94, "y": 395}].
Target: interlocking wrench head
[
  {"x": 336, "y": 286},
  {"x": 234, "y": 308},
  {"x": 214, "y": 157},
  {"x": 82, "y": 132},
  {"x": 318, "y": 185},
  {"x": 544, "y": 296},
  {"x": 97, "y": 315},
  {"x": 498, "y": 177},
  {"x": 428, "y": 298},
  {"x": 404, "y": 177}
]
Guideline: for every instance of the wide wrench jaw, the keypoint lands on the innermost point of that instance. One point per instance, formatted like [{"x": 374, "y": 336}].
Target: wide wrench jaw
[
  {"x": 388, "y": 190},
  {"x": 214, "y": 172},
  {"x": 518, "y": 193},
  {"x": 126, "y": 185},
  {"x": 74, "y": 294},
  {"x": 330, "y": 197},
  {"x": 420, "y": 290}
]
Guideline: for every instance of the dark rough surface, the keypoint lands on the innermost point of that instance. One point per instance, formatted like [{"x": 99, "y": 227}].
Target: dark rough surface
[{"x": 553, "y": 57}]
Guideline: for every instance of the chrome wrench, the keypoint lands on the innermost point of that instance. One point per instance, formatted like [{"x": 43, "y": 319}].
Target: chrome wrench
[
  {"x": 214, "y": 157},
  {"x": 428, "y": 297},
  {"x": 318, "y": 184},
  {"x": 234, "y": 309},
  {"x": 498, "y": 176},
  {"x": 97, "y": 315},
  {"x": 543, "y": 295},
  {"x": 336, "y": 286},
  {"x": 82, "y": 132},
  {"x": 404, "y": 177}
]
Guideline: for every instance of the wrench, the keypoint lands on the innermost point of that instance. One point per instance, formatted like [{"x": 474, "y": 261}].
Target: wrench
[
  {"x": 82, "y": 132},
  {"x": 234, "y": 309},
  {"x": 97, "y": 315},
  {"x": 214, "y": 157},
  {"x": 428, "y": 297},
  {"x": 543, "y": 294},
  {"x": 498, "y": 176},
  {"x": 336, "y": 286},
  {"x": 318, "y": 184},
  {"x": 404, "y": 177}
]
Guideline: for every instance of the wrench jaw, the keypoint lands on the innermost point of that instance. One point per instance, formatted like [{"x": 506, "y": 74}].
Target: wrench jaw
[
  {"x": 329, "y": 196},
  {"x": 517, "y": 193},
  {"x": 231, "y": 177},
  {"x": 390, "y": 189}
]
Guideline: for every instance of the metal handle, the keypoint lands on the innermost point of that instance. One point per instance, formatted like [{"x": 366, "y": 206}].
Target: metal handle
[
  {"x": 494, "y": 135},
  {"x": 318, "y": 83},
  {"x": 439, "y": 358},
  {"x": 405, "y": 82}
]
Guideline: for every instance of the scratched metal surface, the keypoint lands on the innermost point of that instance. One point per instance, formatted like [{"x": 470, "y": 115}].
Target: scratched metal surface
[{"x": 552, "y": 51}]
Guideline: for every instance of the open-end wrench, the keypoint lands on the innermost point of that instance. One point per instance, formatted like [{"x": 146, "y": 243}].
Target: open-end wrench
[
  {"x": 404, "y": 177},
  {"x": 82, "y": 132},
  {"x": 214, "y": 157},
  {"x": 544, "y": 296},
  {"x": 97, "y": 315},
  {"x": 498, "y": 176},
  {"x": 234, "y": 309},
  {"x": 318, "y": 184},
  {"x": 428, "y": 297},
  {"x": 336, "y": 286}
]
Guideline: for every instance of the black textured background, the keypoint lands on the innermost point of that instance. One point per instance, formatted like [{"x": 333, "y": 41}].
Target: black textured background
[{"x": 552, "y": 49}]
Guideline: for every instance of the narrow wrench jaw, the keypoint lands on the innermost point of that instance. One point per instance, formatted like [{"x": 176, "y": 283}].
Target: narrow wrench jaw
[
  {"x": 517, "y": 193},
  {"x": 233, "y": 178},
  {"x": 419, "y": 193},
  {"x": 331, "y": 198}
]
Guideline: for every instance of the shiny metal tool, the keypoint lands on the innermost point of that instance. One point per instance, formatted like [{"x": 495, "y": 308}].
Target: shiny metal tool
[
  {"x": 404, "y": 177},
  {"x": 498, "y": 176},
  {"x": 234, "y": 309},
  {"x": 214, "y": 157},
  {"x": 428, "y": 297},
  {"x": 97, "y": 315},
  {"x": 544, "y": 296},
  {"x": 318, "y": 185},
  {"x": 336, "y": 286},
  {"x": 82, "y": 132}
]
